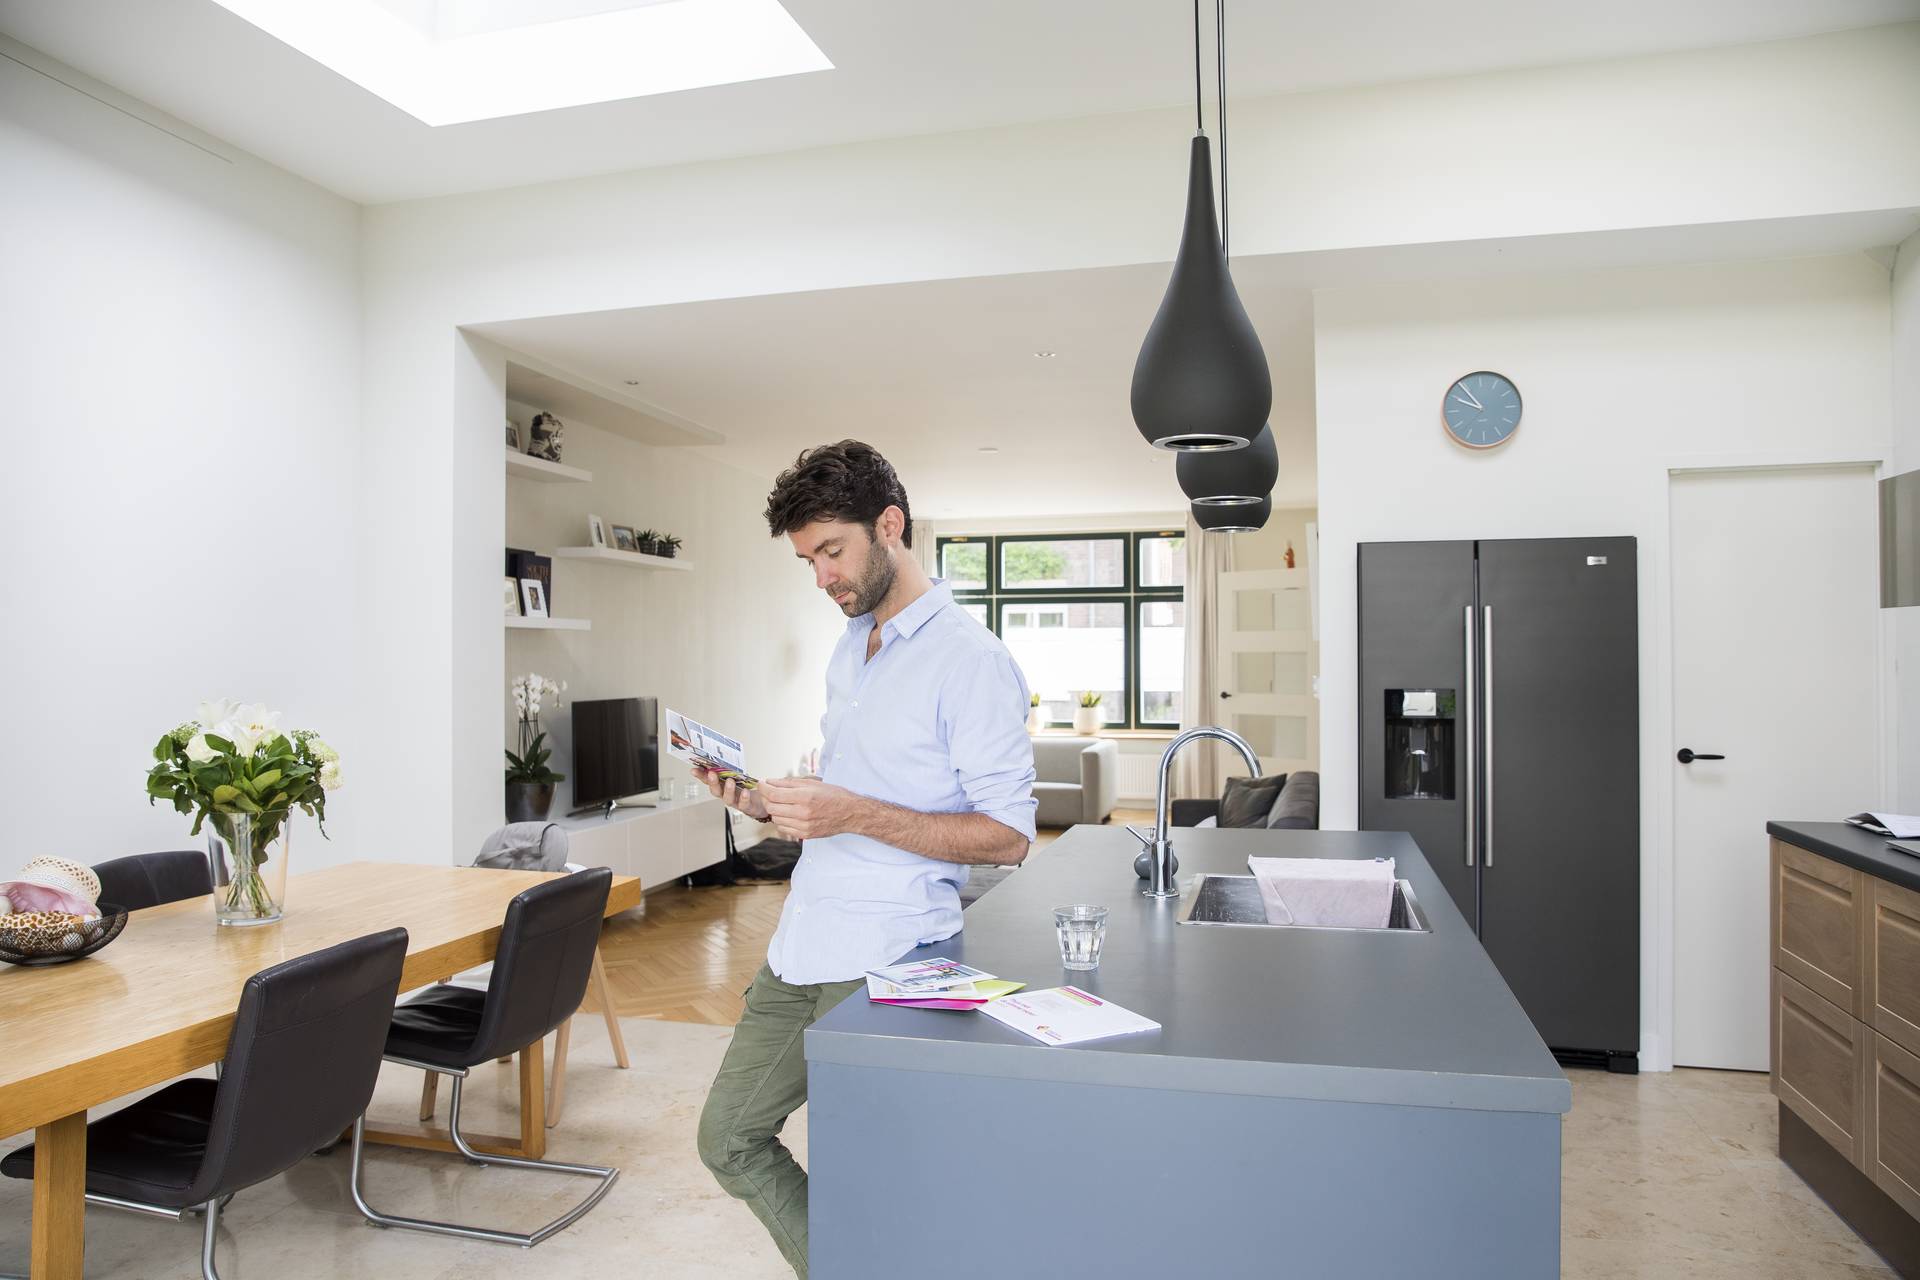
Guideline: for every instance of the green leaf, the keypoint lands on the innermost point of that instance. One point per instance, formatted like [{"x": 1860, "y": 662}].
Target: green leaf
[
  {"x": 225, "y": 794},
  {"x": 262, "y": 781},
  {"x": 163, "y": 749},
  {"x": 219, "y": 743}
]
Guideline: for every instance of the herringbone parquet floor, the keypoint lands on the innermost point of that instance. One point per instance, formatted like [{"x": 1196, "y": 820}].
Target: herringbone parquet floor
[{"x": 687, "y": 955}]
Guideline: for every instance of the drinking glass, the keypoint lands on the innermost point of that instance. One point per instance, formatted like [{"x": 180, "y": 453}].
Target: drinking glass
[{"x": 1082, "y": 929}]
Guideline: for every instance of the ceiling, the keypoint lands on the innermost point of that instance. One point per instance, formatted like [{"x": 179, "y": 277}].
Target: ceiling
[
  {"x": 933, "y": 372},
  {"x": 901, "y": 68}
]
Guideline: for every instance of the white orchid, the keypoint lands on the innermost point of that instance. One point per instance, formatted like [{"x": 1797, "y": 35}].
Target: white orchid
[{"x": 215, "y": 713}]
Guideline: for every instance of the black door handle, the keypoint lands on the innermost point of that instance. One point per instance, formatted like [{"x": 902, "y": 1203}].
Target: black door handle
[
  {"x": 1225, "y": 694},
  {"x": 1688, "y": 755}
]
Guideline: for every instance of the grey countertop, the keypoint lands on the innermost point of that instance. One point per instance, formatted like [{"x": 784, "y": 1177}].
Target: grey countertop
[
  {"x": 1418, "y": 1019},
  {"x": 1848, "y": 844}
]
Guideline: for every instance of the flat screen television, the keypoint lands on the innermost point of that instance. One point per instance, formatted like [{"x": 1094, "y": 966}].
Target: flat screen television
[{"x": 616, "y": 750}]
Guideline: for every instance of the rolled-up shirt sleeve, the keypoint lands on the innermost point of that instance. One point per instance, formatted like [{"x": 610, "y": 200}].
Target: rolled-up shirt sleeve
[{"x": 983, "y": 710}]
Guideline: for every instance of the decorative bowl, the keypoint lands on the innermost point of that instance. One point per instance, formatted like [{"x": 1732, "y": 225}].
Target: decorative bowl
[{"x": 46, "y": 942}]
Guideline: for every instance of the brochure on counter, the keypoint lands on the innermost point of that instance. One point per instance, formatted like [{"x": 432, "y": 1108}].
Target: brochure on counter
[
  {"x": 708, "y": 749},
  {"x": 924, "y": 979},
  {"x": 1066, "y": 1015},
  {"x": 959, "y": 999}
]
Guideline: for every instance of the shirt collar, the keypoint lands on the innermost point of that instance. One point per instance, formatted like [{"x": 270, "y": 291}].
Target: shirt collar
[{"x": 914, "y": 616}]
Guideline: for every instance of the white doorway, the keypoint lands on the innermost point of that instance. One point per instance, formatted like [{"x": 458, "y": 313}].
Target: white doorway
[
  {"x": 1775, "y": 666},
  {"x": 1265, "y": 659}
]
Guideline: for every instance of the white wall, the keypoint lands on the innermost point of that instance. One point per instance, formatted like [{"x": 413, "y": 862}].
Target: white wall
[
  {"x": 694, "y": 640},
  {"x": 182, "y": 369},
  {"x": 1625, "y": 375},
  {"x": 1903, "y": 625}
]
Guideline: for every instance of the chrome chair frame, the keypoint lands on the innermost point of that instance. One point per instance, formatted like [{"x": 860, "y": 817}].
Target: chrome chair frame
[
  {"x": 208, "y": 1238},
  {"x": 607, "y": 1177}
]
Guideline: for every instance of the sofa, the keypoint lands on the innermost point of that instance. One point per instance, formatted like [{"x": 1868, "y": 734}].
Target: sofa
[
  {"x": 1075, "y": 780},
  {"x": 1295, "y": 804}
]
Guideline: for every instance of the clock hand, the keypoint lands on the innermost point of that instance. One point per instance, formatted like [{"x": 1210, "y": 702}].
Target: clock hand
[{"x": 1470, "y": 396}]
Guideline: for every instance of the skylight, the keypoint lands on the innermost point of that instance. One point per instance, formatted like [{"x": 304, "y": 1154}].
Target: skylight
[{"x": 451, "y": 61}]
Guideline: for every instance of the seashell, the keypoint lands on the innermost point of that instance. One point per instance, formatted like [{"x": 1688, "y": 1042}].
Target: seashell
[
  {"x": 60, "y": 873},
  {"x": 30, "y": 897}
]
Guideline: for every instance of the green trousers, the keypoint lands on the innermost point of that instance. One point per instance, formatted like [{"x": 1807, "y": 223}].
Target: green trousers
[{"x": 762, "y": 1081}]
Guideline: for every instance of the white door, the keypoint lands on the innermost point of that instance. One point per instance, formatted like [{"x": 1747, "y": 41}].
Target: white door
[
  {"x": 1265, "y": 661},
  {"x": 1776, "y": 667}
]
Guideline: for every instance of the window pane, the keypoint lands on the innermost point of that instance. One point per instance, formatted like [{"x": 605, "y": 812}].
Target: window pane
[
  {"x": 1076, "y": 563},
  {"x": 964, "y": 565},
  {"x": 1163, "y": 628},
  {"x": 1067, "y": 648},
  {"x": 1163, "y": 562},
  {"x": 978, "y": 608}
]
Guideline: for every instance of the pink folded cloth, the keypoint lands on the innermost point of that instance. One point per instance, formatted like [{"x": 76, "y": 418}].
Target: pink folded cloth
[{"x": 1328, "y": 892}]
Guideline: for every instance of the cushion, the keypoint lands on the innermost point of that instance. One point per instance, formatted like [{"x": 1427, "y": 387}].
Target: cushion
[
  {"x": 1247, "y": 801},
  {"x": 438, "y": 1027},
  {"x": 1298, "y": 805}
]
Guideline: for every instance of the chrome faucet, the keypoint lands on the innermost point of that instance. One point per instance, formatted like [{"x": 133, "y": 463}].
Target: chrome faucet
[{"x": 1156, "y": 863}]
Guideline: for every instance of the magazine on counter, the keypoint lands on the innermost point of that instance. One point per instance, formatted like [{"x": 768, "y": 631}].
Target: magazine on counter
[
  {"x": 1066, "y": 1015},
  {"x": 939, "y": 976},
  {"x": 708, "y": 749}
]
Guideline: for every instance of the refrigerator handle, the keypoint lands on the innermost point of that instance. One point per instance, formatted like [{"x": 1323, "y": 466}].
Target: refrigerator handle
[
  {"x": 1472, "y": 779},
  {"x": 1486, "y": 734}
]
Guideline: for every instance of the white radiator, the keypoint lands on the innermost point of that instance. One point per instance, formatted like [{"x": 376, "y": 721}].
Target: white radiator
[{"x": 1139, "y": 776}]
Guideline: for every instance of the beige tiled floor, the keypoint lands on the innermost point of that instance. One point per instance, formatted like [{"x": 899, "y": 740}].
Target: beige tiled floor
[{"x": 1665, "y": 1176}]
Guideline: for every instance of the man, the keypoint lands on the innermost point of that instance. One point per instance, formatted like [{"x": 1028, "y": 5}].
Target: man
[{"x": 926, "y": 767}]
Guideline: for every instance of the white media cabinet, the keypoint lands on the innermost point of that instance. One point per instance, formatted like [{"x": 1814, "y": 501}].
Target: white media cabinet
[{"x": 659, "y": 845}]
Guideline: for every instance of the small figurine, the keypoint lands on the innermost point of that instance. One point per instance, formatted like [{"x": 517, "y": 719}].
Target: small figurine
[
  {"x": 544, "y": 437},
  {"x": 1289, "y": 553}
]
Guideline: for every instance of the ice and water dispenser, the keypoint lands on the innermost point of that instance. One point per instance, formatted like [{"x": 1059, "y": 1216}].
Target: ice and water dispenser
[{"x": 1420, "y": 744}]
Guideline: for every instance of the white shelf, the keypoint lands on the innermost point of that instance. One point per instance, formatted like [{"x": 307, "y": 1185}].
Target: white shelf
[
  {"x": 525, "y": 464},
  {"x": 632, "y": 559},
  {"x": 522, "y": 623}
]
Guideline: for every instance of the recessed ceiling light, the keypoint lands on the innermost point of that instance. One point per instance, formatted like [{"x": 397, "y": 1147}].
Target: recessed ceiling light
[
  {"x": 633, "y": 382},
  {"x": 989, "y": 448},
  {"x": 1045, "y": 355},
  {"x": 449, "y": 63}
]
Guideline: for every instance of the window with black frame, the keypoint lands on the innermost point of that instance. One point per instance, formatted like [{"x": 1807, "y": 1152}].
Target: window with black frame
[{"x": 1088, "y": 616}]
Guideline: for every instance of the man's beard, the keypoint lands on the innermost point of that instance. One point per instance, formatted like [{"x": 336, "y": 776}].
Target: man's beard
[{"x": 871, "y": 587}]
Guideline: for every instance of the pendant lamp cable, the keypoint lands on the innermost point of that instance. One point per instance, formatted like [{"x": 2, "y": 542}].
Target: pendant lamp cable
[
  {"x": 1199, "y": 121},
  {"x": 1220, "y": 110}
]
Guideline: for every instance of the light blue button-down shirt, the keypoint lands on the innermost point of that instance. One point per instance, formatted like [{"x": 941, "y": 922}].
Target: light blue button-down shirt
[{"x": 935, "y": 721}]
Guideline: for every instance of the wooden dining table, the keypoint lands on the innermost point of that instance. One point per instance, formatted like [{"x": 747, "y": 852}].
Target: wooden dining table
[{"x": 159, "y": 1002}]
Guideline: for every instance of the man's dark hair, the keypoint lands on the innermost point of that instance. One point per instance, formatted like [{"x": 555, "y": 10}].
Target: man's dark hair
[{"x": 844, "y": 481}]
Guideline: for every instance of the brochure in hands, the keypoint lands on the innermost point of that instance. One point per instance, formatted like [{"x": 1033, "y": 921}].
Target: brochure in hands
[{"x": 708, "y": 749}]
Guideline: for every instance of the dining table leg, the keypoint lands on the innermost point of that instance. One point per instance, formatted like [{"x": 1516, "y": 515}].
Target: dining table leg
[{"x": 59, "y": 1198}]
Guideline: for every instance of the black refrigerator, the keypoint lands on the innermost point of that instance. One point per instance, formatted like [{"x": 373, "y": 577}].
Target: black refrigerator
[{"x": 1500, "y": 727}]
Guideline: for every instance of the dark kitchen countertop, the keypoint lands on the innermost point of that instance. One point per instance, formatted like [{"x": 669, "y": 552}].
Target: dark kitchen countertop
[
  {"x": 1416, "y": 1019},
  {"x": 1849, "y": 845}
]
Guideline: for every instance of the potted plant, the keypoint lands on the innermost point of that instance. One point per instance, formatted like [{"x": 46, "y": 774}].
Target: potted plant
[
  {"x": 242, "y": 778},
  {"x": 669, "y": 545},
  {"x": 649, "y": 540},
  {"x": 529, "y": 780},
  {"x": 1087, "y": 717},
  {"x": 1035, "y": 717}
]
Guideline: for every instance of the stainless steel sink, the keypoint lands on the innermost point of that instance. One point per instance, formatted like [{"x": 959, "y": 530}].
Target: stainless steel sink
[{"x": 1235, "y": 901}]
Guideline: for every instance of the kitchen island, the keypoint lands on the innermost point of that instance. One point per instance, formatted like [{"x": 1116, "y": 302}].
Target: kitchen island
[{"x": 1316, "y": 1103}]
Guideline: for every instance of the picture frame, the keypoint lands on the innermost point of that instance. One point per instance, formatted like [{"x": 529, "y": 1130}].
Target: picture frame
[
  {"x": 533, "y": 598},
  {"x": 513, "y": 437},
  {"x": 513, "y": 597},
  {"x": 596, "y": 532},
  {"x": 624, "y": 539}
]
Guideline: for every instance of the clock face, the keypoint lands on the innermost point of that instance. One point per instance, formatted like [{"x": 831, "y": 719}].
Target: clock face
[{"x": 1481, "y": 410}]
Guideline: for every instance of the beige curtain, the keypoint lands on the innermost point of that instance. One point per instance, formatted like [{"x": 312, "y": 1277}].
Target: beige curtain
[
  {"x": 923, "y": 547},
  {"x": 1197, "y": 772}
]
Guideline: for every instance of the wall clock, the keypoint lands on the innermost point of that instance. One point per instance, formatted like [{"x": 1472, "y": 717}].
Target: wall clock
[{"x": 1481, "y": 410}]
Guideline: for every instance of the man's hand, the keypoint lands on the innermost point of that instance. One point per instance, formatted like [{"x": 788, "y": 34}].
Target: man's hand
[
  {"x": 809, "y": 809},
  {"x": 729, "y": 792}
]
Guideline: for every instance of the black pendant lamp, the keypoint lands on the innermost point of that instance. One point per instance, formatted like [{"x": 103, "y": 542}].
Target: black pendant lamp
[
  {"x": 1230, "y": 477},
  {"x": 1201, "y": 383},
  {"x": 1244, "y": 517}
]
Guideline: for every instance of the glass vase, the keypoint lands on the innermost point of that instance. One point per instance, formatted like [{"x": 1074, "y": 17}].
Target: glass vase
[{"x": 248, "y": 853}]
